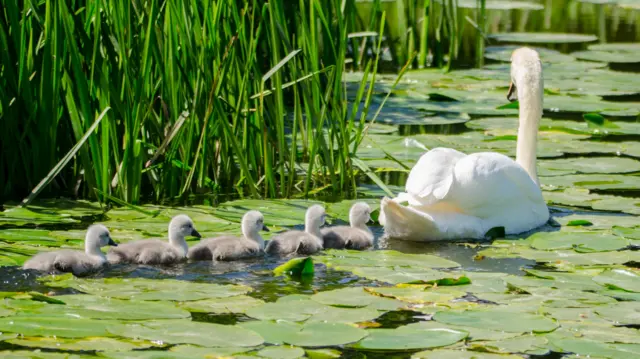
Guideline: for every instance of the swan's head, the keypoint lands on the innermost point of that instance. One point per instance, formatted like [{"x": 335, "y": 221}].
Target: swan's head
[
  {"x": 98, "y": 236},
  {"x": 359, "y": 214},
  {"x": 315, "y": 217},
  {"x": 252, "y": 223},
  {"x": 182, "y": 226},
  {"x": 526, "y": 72}
]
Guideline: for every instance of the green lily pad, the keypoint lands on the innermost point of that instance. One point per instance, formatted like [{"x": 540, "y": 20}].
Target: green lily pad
[
  {"x": 460, "y": 354},
  {"x": 89, "y": 306},
  {"x": 355, "y": 297},
  {"x": 475, "y": 334},
  {"x": 295, "y": 310},
  {"x": 281, "y": 352},
  {"x": 542, "y": 38},
  {"x": 188, "y": 332},
  {"x": 579, "y": 241},
  {"x": 498, "y": 319},
  {"x": 608, "y": 56},
  {"x": 22, "y": 354},
  {"x": 503, "y": 53},
  {"x": 400, "y": 275},
  {"x": 306, "y": 335},
  {"x": 526, "y": 344},
  {"x": 589, "y": 348},
  {"x": 5, "y": 336},
  {"x": 64, "y": 327},
  {"x": 419, "y": 295},
  {"x": 147, "y": 289},
  {"x": 295, "y": 267},
  {"x": 384, "y": 258},
  {"x": 623, "y": 279},
  {"x": 410, "y": 338},
  {"x": 84, "y": 344},
  {"x": 323, "y": 353},
  {"x": 623, "y": 313},
  {"x": 235, "y": 304},
  {"x": 192, "y": 351}
]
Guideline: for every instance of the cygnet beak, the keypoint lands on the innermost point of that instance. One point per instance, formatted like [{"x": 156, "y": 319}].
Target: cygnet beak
[
  {"x": 264, "y": 228},
  {"x": 112, "y": 243},
  {"x": 195, "y": 233}
]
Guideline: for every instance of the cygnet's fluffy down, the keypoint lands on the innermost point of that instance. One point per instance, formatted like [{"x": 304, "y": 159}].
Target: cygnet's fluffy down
[
  {"x": 304, "y": 242},
  {"x": 155, "y": 251},
  {"x": 76, "y": 262},
  {"x": 230, "y": 248},
  {"x": 357, "y": 236}
]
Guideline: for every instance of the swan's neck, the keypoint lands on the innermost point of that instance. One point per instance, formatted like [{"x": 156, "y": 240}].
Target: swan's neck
[
  {"x": 530, "y": 98},
  {"x": 312, "y": 229},
  {"x": 362, "y": 226},
  {"x": 256, "y": 237},
  {"x": 177, "y": 241},
  {"x": 91, "y": 248}
]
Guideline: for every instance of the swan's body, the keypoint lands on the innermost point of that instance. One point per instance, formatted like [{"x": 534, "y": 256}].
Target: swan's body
[
  {"x": 304, "y": 242},
  {"x": 76, "y": 262},
  {"x": 155, "y": 251},
  {"x": 230, "y": 248},
  {"x": 450, "y": 195},
  {"x": 356, "y": 236}
]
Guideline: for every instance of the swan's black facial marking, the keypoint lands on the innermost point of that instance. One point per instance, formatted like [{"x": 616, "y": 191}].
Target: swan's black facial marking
[{"x": 512, "y": 93}]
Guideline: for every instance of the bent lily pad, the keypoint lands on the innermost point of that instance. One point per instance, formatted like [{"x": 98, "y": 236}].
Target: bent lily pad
[{"x": 623, "y": 279}]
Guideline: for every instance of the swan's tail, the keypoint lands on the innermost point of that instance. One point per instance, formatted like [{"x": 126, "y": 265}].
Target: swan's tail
[{"x": 406, "y": 223}]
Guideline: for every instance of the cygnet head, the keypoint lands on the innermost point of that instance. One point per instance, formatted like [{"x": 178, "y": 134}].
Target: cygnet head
[
  {"x": 526, "y": 72},
  {"x": 359, "y": 215},
  {"x": 314, "y": 219},
  {"x": 97, "y": 236},
  {"x": 252, "y": 224},
  {"x": 182, "y": 226}
]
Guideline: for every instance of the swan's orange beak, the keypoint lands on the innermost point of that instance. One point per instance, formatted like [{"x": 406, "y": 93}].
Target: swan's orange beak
[{"x": 511, "y": 92}]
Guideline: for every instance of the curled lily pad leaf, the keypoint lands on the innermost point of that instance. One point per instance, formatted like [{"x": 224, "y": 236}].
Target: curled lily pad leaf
[
  {"x": 408, "y": 338},
  {"x": 296, "y": 267},
  {"x": 306, "y": 335},
  {"x": 188, "y": 332},
  {"x": 84, "y": 344}
]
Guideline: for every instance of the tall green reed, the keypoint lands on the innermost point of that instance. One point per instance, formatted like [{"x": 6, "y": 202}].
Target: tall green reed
[{"x": 224, "y": 96}]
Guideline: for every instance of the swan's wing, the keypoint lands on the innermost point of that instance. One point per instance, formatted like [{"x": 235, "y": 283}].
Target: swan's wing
[
  {"x": 431, "y": 178},
  {"x": 492, "y": 186}
]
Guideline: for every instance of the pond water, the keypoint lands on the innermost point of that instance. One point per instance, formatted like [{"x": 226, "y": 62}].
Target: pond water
[{"x": 570, "y": 289}]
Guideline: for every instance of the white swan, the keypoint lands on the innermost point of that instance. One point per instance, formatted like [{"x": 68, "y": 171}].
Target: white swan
[{"x": 450, "y": 195}]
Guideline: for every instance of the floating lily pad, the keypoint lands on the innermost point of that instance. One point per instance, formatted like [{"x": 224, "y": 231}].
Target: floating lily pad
[
  {"x": 235, "y": 304},
  {"x": 306, "y": 335},
  {"x": 22, "y": 354},
  {"x": 419, "y": 295},
  {"x": 192, "y": 351},
  {"x": 461, "y": 354},
  {"x": 410, "y": 338},
  {"x": 475, "y": 334},
  {"x": 356, "y": 297},
  {"x": 84, "y": 344},
  {"x": 147, "y": 289},
  {"x": 615, "y": 54},
  {"x": 188, "y": 332},
  {"x": 623, "y": 279},
  {"x": 503, "y": 53},
  {"x": 542, "y": 38},
  {"x": 623, "y": 313},
  {"x": 526, "y": 344},
  {"x": 580, "y": 241},
  {"x": 497, "y": 319},
  {"x": 89, "y": 306},
  {"x": 281, "y": 352},
  {"x": 296, "y": 309},
  {"x": 54, "y": 326}
]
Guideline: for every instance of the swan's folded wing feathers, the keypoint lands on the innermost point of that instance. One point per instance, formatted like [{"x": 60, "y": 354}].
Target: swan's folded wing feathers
[{"x": 430, "y": 179}]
